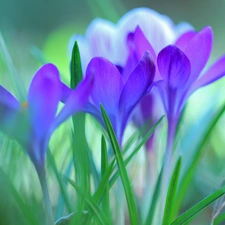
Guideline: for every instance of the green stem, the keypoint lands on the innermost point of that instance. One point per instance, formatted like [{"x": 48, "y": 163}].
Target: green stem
[{"x": 47, "y": 203}]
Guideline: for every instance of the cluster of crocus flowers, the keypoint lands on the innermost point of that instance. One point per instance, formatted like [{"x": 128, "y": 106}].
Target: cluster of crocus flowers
[
  {"x": 130, "y": 66},
  {"x": 179, "y": 53}
]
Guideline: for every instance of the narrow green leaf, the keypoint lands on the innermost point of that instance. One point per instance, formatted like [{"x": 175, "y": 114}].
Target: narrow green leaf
[
  {"x": 97, "y": 212},
  {"x": 130, "y": 141},
  {"x": 111, "y": 166},
  {"x": 104, "y": 180},
  {"x": 186, "y": 178},
  {"x": 144, "y": 140},
  {"x": 198, "y": 207},
  {"x": 38, "y": 54},
  {"x": 27, "y": 212},
  {"x": 122, "y": 169},
  {"x": 219, "y": 219},
  {"x": 135, "y": 151},
  {"x": 19, "y": 87},
  {"x": 63, "y": 190},
  {"x": 80, "y": 157},
  {"x": 76, "y": 68},
  {"x": 155, "y": 197},
  {"x": 79, "y": 143},
  {"x": 104, "y": 166},
  {"x": 171, "y": 194},
  {"x": 61, "y": 201}
]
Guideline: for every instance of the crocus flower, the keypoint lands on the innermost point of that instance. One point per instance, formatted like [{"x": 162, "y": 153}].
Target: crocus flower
[
  {"x": 32, "y": 122},
  {"x": 181, "y": 67},
  {"x": 118, "y": 96},
  {"x": 106, "y": 39},
  {"x": 124, "y": 44}
]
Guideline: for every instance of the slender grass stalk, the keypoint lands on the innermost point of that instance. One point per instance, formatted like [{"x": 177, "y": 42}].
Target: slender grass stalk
[
  {"x": 171, "y": 131},
  {"x": 15, "y": 78},
  {"x": 47, "y": 203}
]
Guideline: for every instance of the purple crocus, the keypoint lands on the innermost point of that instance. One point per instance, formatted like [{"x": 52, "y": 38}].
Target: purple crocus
[
  {"x": 32, "y": 122},
  {"x": 124, "y": 44},
  {"x": 181, "y": 67},
  {"x": 118, "y": 96}
]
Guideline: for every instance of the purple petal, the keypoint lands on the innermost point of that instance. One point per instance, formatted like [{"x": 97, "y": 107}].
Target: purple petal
[
  {"x": 174, "y": 67},
  {"x": 163, "y": 92},
  {"x": 198, "y": 51},
  {"x": 184, "y": 39},
  {"x": 215, "y": 72},
  {"x": 65, "y": 92},
  {"x": 137, "y": 84},
  {"x": 8, "y": 100},
  {"x": 75, "y": 102},
  {"x": 9, "y": 112},
  {"x": 108, "y": 84},
  {"x": 43, "y": 98},
  {"x": 142, "y": 44},
  {"x": 143, "y": 113},
  {"x": 132, "y": 58},
  {"x": 158, "y": 29}
]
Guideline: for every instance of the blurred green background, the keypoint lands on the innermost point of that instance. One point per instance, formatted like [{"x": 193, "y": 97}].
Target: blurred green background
[{"x": 25, "y": 23}]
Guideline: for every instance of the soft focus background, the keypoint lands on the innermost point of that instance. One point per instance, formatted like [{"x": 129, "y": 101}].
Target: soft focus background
[
  {"x": 48, "y": 24},
  {"x": 40, "y": 30}
]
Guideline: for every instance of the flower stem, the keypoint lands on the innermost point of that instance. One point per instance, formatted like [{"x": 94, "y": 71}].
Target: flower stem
[
  {"x": 47, "y": 203},
  {"x": 171, "y": 130}
]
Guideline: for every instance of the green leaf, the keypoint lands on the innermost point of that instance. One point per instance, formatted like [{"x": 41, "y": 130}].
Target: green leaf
[
  {"x": 62, "y": 186},
  {"x": 111, "y": 166},
  {"x": 79, "y": 143},
  {"x": 97, "y": 212},
  {"x": 27, "y": 212},
  {"x": 170, "y": 198},
  {"x": 144, "y": 140},
  {"x": 134, "y": 152},
  {"x": 198, "y": 207},
  {"x": 130, "y": 141},
  {"x": 189, "y": 172},
  {"x": 18, "y": 85},
  {"x": 104, "y": 181},
  {"x": 155, "y": 197},
  {"x": 219, "y": 219},
  {"x": 104, "y": 166},
  {"x": 122, "y": 169},
  {"x": 76, "y": 68}
]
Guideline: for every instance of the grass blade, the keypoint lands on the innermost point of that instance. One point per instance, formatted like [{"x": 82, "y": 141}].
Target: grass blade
[
  {"x": 79, "y": 144},
  {"x": 155, "y": 197},
  {"x": 76, "y": 69},
  {"x": 111, "y": 166},
  {"x": 28, "y": 214},
  {"x": 219, "y": 219},
  {"x": 198, "y": 207},
  {"x": 122, "y": 169},
  {"x": 195, "y": 161},
  {"x": 97, "y": 212},
  {"x": 170, "y": 198},
  {"x": 135, "y": 151},
  {"x": 15, "y": 78},
  {"x": 63, "y": 190},
  {"x": 104, "y": 166}
]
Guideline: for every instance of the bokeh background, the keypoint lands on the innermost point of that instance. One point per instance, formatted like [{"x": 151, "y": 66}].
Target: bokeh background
[{"x": 48, "y": 24}]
